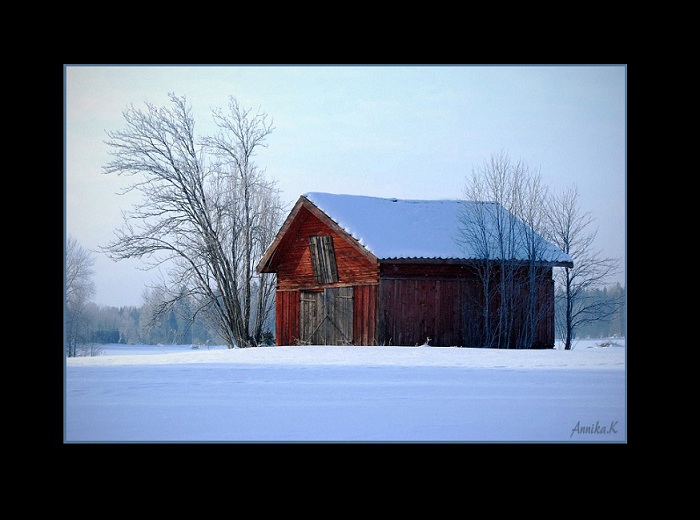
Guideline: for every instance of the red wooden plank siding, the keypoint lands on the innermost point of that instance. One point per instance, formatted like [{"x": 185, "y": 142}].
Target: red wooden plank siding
[
  {"x": 287, "y": 320},
  {"x": 421, "y": 300},
  {"x": 365, "y": 315},
  {"x": 416, "y": 309},
  {"x": 444, "y": 302},
  {"x": 545, "y": 328}
]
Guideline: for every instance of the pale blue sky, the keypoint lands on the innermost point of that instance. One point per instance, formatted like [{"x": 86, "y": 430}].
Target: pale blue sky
[{"x": 389, "y": 131}]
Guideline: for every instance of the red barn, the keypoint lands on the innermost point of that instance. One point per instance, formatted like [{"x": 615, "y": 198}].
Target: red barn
[{"x": 373, "y": 271}]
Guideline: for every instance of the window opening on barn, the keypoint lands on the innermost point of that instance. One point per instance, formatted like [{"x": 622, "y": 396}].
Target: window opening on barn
[{"x": 323, "y": 259}]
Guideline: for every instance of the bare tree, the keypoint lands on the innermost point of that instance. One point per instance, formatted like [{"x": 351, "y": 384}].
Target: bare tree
[
  {"x": 475, "y": 237},
  {"x": 502, "y": 222},
  {"x": 489, "y": 230},
  {"x": 256, "y": 214},
  {"x": 530, "y": 207},
  {"x": 79, "y": 288},
  {"x": 570, "y": 230},
  {"x": 204, "y": 207}
]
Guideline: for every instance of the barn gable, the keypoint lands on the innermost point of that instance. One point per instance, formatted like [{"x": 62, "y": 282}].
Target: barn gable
[
  {"x": 312, "y": 251},
  {"x": 326, "y": 281}
]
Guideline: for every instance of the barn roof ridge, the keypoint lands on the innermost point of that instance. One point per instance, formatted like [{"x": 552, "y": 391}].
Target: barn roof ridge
[{"x": 310, "y": 196}]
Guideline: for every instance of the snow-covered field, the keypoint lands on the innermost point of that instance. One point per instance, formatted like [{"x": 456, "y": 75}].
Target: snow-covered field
[{"x": 147, "y": 393}]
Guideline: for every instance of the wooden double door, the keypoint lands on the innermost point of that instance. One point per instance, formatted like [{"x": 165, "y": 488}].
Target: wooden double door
[{"x": 326, "y": 316}]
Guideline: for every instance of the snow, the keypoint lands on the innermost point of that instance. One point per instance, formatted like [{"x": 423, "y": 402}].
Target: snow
[
  {"x": 146, "y": 393},
  {"x": 395, "y": 228}
]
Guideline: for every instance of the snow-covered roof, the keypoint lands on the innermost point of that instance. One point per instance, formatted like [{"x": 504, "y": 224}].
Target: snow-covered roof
[{"x": 426, "y": 229}]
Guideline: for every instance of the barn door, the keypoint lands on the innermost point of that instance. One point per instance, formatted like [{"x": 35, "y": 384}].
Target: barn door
[
  {"x": 311, "y": 317},
  {"x": 339, "y": 316},
  {"x": 326, "y": 317}
]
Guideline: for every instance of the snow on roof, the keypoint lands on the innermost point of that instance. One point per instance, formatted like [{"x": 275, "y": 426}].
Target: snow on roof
[{"x": 394, "y": 228}]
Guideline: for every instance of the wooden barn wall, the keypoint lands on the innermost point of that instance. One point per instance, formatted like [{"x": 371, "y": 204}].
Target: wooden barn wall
[
  {"x": 444, "y": 303},
  {"x": 287, "y": 319},
  {"x": 419, "y": 301},
  {"x": 544, "y": 312},
  {"x": 415, "y": 309},
  {"x": 365, "y": 315},
  {"x": 545, "y": 336},
  {"x": 294, "y": 264}
]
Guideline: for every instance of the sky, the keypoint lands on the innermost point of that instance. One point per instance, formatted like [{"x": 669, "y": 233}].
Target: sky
[
  {"x": 313, "y": 393},
  {"x": 412, "y": 132}
]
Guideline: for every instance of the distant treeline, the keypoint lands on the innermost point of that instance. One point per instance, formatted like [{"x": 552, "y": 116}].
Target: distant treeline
[
  {"x": 135, "y": 325},
  {"x": 132, "y": 325},
  {"x": 612, "y": 326}
]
